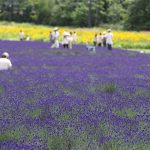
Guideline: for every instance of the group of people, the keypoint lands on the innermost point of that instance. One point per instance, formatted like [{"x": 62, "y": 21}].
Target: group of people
[
  {"x": 68, "y": 39},
  {"x": 105, "y": 39}
]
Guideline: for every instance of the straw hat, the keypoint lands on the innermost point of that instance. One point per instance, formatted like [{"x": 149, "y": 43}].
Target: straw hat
[
  {"x": 5, "y": 54},
  {"x": 109, "y": 30},
  {"x": 55, "y": 29},
  {"x": 66, "y": 34}
]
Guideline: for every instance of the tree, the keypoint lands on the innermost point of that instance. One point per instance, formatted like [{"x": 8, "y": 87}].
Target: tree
[
  {"x": 80, "y": 15},
  {"x": 16, "y": 10},
  {"x": 134, "y": 14},
  {"x": 139, "y": 15}
]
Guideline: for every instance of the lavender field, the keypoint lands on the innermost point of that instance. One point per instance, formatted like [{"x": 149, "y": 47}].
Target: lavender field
[{"x": 58, "y": 99}]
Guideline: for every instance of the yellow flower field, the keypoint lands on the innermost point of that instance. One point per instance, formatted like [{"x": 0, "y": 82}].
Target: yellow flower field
[{"x": 11, "y": 32}]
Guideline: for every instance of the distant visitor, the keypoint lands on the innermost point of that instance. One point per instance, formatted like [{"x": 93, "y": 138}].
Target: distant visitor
[
  {"x": 65, "y": 39},
  {"x": 109, "y": 40},
  {"x": 55, "y": 36},
  {"x": 21, "y": 35},
  {"x": 104, "y": 39}
]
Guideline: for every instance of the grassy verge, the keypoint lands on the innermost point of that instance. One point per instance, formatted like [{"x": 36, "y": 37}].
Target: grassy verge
[{"x": 140, "y": 50}]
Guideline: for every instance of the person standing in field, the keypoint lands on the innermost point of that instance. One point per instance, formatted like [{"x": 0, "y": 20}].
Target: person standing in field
[
  {"x": 55, "y": 36},
  {"x": 74, "y": 37},
  {"x": 70, "y": 40},
  {"x": 5, "y": 63},
  {"x": 50, "y": 36},
  {"x": 109, "y": 40},
  {"x": 21, "y": 35},
  {"x": 65, "y": 41},
  {"x": 95, "y": 40},
  {"x": 104, "y": 39},
  {"x": 99, "y": 39}
]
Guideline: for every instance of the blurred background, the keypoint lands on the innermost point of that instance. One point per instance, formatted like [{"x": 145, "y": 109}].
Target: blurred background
[{"x": 123, "y": 14}]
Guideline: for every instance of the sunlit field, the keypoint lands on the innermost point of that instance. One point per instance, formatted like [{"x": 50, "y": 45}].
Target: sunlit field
[
  {"x": 62, "y": 99},
  {"x": 122, "y": 39}
]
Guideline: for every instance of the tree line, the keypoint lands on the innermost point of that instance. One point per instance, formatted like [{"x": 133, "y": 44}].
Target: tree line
[{"x": 132, "y": 14}]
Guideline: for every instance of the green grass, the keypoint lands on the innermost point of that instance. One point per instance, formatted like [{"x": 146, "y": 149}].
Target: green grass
[
  {"x": 139, "y": 50},
  {"x": 15, "y": 24},
  {"x": 1, "y": 90},
  {"x": 34, "y": 113},
  {"x": 69, "y": 140},
  {"x": 142, "y": 92},
  {"x": 128, "y": 112},
  {"x": 144, "y": 126},
  {"x": 14, "y": 134},
  {"x": 142, "y": 45},
  {"x": 64, "y": 117},
  {"x": 108, "y": 88}
]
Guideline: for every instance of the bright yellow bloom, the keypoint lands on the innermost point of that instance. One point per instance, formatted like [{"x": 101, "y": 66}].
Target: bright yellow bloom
[{"x": 84, "y": 35}]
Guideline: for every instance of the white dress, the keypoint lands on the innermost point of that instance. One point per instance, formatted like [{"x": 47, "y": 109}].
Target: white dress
[
  {"x": 99, "y": 39},
  {"x": 55, "y": 35},
  {"x": 74, "y": 37},
  {"x": 109, "y": 38},
  {"x": 65, "y": 40}
]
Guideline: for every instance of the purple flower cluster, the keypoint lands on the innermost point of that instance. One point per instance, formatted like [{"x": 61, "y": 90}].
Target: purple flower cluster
[{"x": 74, "y": 99}]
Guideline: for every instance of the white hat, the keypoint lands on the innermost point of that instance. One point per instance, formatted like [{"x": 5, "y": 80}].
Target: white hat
[
  {"x": 109, "y": 30},
  {"x": 66, "y": 34},
  {"x": 55, "y": 28},
  {"x": 5, "y": 54}
]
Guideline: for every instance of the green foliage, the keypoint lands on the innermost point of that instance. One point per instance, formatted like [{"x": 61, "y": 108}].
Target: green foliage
[
  {"x": 35, "y": 113},
  {"x": 109, "y": 88},
  {"x": 139, "y": 15},
  {"x": 64, "y": 117},
  {"x": 131, "y": 45},
  {"x": 142, "y": 92},
  {"x": 78, "y": 13},
  {"x": 14, "y": 134},
  {"x": 37, "y": 132},
  {"x": 1, "y": 90},
  {"x": 125, "y": 113}
]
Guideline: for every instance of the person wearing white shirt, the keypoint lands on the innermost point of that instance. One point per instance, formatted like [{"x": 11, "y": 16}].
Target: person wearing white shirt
[
  {"x": 74, "y": 37},
  {"x": 65, "y": 39},
  {"x": 70, "y": 40},
  {"x": 95, "y": 40},
  {"x": 100, "y": 39},
  {"x": 21, "y": 35},
  {"x": 5, "y": 63},
  {"x": 55, "y": 36},
  {"x": 104, "y": 39},
  {"x": 109, "y": 40}
]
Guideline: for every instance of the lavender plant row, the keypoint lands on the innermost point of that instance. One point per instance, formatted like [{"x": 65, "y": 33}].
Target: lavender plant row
[{"x": 62, "y": 99}]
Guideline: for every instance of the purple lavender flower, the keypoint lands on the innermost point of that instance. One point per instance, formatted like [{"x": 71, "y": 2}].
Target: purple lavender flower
[{"x": 71, "y": 99}]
